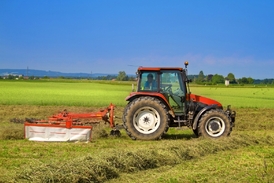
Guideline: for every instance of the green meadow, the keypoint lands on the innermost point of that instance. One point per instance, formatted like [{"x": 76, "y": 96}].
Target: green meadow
[
  {"x": 254, "y": 97},
  {"x": 246, "y": 156},
  {"x": 94, "y": 93},
  {"x": 63, "y": 93}
]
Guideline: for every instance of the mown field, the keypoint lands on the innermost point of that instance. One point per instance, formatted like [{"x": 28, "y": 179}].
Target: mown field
[{"x": 246, "y": 156}]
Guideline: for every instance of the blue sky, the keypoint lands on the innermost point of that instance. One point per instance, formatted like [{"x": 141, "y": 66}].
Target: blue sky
[{"x": 108, "y": 36}]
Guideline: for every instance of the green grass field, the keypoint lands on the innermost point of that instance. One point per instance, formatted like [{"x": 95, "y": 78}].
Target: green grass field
[
  {"x": 254, "y": 97},
  {"x": 246, "y": 156},
  {"x": 63, "y": 93},
  {"x": 88, "y": 93}
]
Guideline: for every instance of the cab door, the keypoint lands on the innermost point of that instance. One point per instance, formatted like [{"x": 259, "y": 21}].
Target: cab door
[{"x": 172, "y": 87}]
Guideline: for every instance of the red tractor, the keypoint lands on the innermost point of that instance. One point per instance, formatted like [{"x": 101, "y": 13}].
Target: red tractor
[{"x": 163, "y": 100}]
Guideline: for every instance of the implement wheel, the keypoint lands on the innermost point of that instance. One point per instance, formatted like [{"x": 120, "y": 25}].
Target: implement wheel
[
  {"x": 146, "y": 118},
  {"x": 214, "y": 124}
]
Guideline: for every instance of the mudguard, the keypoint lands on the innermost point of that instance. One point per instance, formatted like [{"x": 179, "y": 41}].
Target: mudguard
[{"x": 200, "y": 113}]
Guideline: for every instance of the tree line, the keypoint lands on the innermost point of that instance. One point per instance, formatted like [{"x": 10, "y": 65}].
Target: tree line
[
  {"x": 201, "y": 78},
  {"x": 218, "y": 79}
]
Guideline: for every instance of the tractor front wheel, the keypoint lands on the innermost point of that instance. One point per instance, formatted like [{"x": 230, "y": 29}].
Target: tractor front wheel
[
  {"x": 146, "y": 118},
  {"x": 214, "y": 124}
]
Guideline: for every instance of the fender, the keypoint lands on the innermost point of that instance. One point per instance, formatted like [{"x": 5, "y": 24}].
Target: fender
[
  {"x": 152, "y": 94},
  {"x": 201, "y": 112},
  {"x": 134, "y": 95}
]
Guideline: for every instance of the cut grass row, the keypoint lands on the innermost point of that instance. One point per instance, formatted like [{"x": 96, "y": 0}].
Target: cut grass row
[
  {"x": 243, "y": 157},
  {"x": 248, "y": 164}
]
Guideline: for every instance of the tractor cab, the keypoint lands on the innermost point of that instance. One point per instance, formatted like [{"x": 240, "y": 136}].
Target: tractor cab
[{"x": 169, "y": 82}]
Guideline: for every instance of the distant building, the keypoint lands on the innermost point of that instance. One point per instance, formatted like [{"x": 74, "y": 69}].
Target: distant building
[{"x": 226, "y": 82}]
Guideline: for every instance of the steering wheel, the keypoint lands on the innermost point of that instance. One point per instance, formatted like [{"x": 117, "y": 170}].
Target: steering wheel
[{"x": 167, "y": 88}]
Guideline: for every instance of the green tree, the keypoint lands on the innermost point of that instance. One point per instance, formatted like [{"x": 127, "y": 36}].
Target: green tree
[
  {"x": 218, "y": 79},
  {"x": 267, "y": 81},
  {"x": 122, "y": 76},
  {"x": 10, "y": 76},
  {"x": 250, "y": 80},
  {"x": 201, "y": 77},
  {"x": 245, "y": 80},
  {"x": 209, "y": 77},
  {"x": 231, "y": 78}
]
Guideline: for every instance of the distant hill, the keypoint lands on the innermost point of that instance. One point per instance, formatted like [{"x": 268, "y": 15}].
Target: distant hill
[{"x": 43, "y": 73}]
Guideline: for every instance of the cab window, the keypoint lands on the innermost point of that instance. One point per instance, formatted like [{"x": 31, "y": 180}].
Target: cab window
[{"x": 148, "y": 81}]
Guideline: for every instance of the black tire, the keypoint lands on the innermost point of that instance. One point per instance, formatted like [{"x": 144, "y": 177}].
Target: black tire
[
  {"x": 214, "y": 124},
  {"x": 146, "y": 118},
  {"x": 196, "y": 133}
]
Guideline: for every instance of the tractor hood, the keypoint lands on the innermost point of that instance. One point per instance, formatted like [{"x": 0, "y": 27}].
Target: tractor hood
[
  {"x": 204, "y": 100},
  {"x": 193, "y": 97}
]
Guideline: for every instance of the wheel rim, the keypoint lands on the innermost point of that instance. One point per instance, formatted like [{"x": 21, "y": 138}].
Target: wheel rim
[
  {"x": 146, "y": 120},
  {"x": 215, "y": 126}
]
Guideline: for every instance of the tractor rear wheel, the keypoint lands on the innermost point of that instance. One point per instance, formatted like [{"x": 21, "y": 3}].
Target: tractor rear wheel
[
  {"x": 146, "y": 118},
  {"x": 196, "y": 133},
  {"x": 214, "y": 124}
]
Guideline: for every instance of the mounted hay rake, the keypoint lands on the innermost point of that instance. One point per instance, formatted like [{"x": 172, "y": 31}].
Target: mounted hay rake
[{"x": 66, "y": 126}]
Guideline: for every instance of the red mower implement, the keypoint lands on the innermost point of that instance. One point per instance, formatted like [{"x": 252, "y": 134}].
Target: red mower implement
[{"x": 67, "y": 121}]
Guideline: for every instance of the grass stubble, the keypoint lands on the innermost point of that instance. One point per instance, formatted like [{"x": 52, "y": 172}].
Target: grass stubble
[{"x": 246, "y": 156}]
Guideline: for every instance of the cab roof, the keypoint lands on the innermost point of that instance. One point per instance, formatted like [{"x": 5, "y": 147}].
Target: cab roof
[{"x": 159, "y": 68}]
